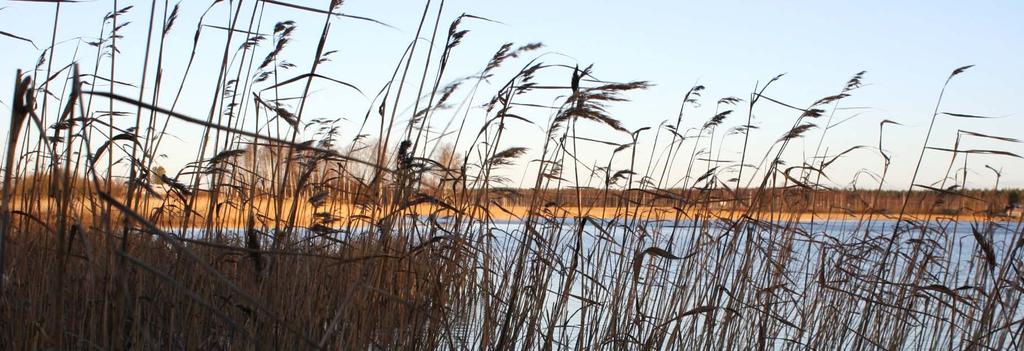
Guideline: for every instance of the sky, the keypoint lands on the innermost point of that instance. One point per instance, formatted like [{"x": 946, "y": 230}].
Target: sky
[{"x": 908, "y": 49}]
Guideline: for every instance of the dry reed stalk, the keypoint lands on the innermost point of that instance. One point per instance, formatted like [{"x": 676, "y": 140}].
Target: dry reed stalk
[{"x": 276, "y": 236}]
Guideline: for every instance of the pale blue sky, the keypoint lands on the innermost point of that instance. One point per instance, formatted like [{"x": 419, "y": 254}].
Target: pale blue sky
[{"x": 907, "y": 47}]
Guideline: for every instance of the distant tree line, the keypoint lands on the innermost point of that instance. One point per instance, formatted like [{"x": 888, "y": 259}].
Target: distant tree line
[{"x": 784, "y": 199}]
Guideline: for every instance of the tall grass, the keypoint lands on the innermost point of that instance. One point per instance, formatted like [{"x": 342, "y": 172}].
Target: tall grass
[{"x": 287, "y": 231}]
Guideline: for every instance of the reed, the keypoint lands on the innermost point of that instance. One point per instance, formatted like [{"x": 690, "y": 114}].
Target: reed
[{"x": 289, "y": 231}]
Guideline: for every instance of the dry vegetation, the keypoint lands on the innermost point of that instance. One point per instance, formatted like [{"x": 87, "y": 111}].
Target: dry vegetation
[{"x": 279, "y": 237}]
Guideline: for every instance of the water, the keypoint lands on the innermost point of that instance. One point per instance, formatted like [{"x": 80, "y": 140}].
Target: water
[{"x": 800, "y": 267}]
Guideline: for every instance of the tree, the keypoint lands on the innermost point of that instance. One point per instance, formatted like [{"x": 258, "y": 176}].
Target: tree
[
  {"x": 157, "y": 175},
  {"x": 447, "y": 157}
]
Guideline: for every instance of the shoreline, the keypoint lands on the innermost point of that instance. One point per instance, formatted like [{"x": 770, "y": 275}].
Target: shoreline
[
  {"x": 345, "y": 212},
  {"x": 669, "y": 213}
]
